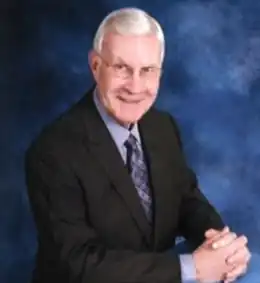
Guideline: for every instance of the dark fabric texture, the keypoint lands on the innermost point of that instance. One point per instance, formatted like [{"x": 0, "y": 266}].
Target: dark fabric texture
[
  {"x": 73, "y": 169},
  {"x": 210, "y": 84}
]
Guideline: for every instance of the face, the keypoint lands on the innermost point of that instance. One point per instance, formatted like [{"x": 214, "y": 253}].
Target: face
[{"x": 127, "y": 73}]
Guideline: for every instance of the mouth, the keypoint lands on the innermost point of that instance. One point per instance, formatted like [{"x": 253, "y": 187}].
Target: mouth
[{"x": 130, "y": 101}]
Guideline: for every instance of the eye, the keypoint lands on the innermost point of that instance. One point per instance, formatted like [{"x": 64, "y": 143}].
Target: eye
[
  {"x": 120, "y": 67},
  {"x": 148, "y": 69}
]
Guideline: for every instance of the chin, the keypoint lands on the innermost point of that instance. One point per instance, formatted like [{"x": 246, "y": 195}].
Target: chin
[
  {"x": 129, "y": 114},
  {"x": 128, "y": 119}
]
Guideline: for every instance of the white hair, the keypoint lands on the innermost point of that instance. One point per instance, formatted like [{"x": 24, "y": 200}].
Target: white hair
[{"x": 129, "y": 21}]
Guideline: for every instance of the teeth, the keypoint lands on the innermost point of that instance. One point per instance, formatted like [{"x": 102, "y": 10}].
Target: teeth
[{"x": 129, "y": 101}]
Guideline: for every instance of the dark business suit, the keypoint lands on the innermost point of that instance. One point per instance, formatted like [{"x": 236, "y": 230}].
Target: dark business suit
[{"x": 91, "y": 226}]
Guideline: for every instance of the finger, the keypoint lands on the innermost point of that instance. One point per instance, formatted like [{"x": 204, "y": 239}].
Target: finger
[
  {"x": 229, "y": 280},
  {"x": 213, "y": 232},
  {"x": 217, "y": 236},
  {"x": 236, "y": 272},
  {"x": 237, "y": 244},
  {"x": 223, "y": 240},
  {"x": 232, "y": 278},
  {"x": 241, "y": 256}
]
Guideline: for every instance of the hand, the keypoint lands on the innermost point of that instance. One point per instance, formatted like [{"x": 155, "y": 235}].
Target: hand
[
  {"x": 217, "y": 239},
  {"x": 210, "y": 263},
  {"x": 237, "y": 271},
  {"x": 238, "y": 261}
]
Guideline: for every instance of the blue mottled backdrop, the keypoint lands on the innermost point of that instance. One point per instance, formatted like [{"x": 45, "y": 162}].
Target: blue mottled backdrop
[{"x": 211, "y": 84}]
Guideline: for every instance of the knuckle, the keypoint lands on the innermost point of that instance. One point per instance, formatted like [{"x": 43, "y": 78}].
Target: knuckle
[
  {"x": 243, "y": 240},
  {"x": 233, "y": 235},
  {"x": 229, "y": 237}
]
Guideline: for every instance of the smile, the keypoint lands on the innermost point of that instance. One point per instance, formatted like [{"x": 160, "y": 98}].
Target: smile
[{"x": 129, "y": 101}]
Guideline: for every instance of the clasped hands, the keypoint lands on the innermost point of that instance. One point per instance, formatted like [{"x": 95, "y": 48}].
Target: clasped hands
[{"x": 222, "y": 256}]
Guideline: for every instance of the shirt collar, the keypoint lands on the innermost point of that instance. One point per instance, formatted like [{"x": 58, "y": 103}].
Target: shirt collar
[{"x": 119, "y": 133}]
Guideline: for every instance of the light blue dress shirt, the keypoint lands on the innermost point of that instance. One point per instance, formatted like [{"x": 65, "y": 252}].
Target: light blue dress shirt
[{"x": 120, "y": 135}]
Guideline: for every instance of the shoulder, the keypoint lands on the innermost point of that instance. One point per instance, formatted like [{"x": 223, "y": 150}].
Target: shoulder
[
  {"x": 158, "y": 115},
  {"x": 63, "y": 133},
  {"x": 162, "y": 122}
]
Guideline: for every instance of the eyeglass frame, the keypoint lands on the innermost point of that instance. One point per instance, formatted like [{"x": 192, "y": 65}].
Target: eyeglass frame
[{"x": 157, "y": 71}]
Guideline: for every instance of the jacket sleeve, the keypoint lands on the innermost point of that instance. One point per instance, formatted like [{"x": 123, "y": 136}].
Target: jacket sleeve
[
  {"x": 197, "y": 214},
  {"x": 60, "y": 211}
]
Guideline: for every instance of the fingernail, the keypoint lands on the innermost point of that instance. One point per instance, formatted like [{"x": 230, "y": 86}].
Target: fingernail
[
  {"x": 215, "y": 245},
  {"x": 218, "y": 244}
]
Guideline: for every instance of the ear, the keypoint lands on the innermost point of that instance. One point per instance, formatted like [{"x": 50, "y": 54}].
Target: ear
[{"x": 94, "y": 62}]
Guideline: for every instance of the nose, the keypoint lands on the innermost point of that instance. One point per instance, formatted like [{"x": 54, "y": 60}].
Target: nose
[{"x": 135, "y": 83}]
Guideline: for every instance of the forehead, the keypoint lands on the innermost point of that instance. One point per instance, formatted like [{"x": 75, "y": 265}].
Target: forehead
[{"x": 133, "y": 49}]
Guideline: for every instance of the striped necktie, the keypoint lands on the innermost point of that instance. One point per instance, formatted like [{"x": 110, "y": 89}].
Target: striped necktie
[{"x": 138, "y": 170}]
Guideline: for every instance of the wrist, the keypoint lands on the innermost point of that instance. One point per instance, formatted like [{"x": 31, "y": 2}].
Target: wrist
[{"x": 195, "y": 257}]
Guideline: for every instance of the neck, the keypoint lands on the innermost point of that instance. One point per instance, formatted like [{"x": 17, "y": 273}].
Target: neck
[{"x": 128, "y": 126}]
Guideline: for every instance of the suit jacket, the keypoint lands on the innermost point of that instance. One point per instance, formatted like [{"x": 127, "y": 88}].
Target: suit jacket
[{"x": 91, "y": 225}]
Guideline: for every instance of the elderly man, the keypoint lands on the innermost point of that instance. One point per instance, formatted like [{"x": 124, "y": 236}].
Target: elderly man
[{"x": 108, "y": 183}]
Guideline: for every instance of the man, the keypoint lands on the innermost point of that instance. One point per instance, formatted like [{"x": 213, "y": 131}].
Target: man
[{"x": 108, "y": 183}]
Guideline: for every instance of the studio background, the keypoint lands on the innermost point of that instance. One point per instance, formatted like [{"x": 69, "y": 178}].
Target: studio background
[{"x": 211, "y": 84}]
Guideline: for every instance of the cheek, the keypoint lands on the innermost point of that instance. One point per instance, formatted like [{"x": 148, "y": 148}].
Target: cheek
[
  {"x": 153, "y": 85},
  {"x": 152, "y": 90},
  {"x": 109, "y": 84},
  {"x": 103, "y": 78},
  {"x": 149, "y": 101}
]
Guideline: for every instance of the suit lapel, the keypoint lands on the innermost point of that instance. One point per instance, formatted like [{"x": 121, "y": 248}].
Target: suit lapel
[
  {"x": 103, "y": 147},
  {"x": 160, "y": 177}
]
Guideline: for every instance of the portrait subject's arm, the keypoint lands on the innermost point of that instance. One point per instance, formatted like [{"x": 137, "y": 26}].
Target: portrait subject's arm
[
  {"x": 60, "y": 209},
  {"x": 197, "y": 214}
]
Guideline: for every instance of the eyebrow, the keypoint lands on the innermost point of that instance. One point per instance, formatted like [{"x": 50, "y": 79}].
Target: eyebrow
[{"x": 121, "y": 60}]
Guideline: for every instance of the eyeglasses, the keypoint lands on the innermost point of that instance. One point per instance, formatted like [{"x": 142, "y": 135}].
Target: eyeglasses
[{"x": 123, "y": 71}]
